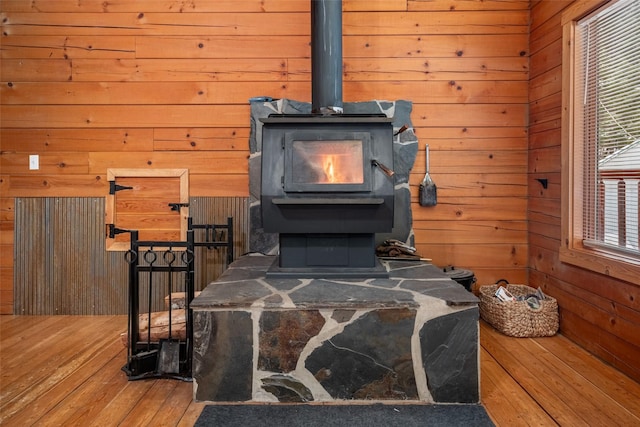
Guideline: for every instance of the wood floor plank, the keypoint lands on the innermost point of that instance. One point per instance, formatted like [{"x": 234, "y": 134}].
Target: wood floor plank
[
  {"x": 91, "y": 413},
  {"x": 28, "y": 412},
  {"x": 58, "y": 347},
  {"x": 175, "y": 407},
  {"x": 78, "y": 381},
  {"x": 520, "y": 367},
  {"x": 191, "y": 415},
  {"x": 150, "y": 404},
  {"x": 611, "y": 381},
  {"x": 42, "y": 338},
  {"x": 30, "y": 336},
  {"x": 507, "y": 402},
  {"x": 86, "y": 395},
  {"x": 11, "y": 326},
  {"x": 595, "y": 405},
  {"x": 59, "y": 351},
  {"x": 587, "y": 400},
  {"x": 124, "y": 402}
]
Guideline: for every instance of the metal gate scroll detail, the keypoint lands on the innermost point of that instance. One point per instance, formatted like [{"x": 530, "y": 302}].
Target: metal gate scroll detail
[{"x": 160, "y": 342}]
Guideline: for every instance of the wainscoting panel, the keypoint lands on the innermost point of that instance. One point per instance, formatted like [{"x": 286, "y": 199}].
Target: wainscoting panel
[
  {"x": 62, "y": 265},
  {"x": 210, "y": 263}
]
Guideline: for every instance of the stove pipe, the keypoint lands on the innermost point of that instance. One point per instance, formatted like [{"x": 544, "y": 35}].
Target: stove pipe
[{"x": 326, "y": 56}]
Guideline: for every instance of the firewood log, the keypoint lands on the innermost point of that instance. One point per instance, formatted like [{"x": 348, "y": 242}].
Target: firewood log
[
  {"x": 160, "y": 326},
  {"x": 177, "y": 300}
]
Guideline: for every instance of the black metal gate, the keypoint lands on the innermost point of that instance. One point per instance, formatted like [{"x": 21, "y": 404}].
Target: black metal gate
[{"x": 166, "y": 352}]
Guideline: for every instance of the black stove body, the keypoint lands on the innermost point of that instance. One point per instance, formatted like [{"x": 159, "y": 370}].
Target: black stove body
[{"x": 327, "y": 188}]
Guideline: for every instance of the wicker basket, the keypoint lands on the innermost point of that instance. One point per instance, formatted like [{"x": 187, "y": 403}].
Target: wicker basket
[{"x": 517, "y": 319}]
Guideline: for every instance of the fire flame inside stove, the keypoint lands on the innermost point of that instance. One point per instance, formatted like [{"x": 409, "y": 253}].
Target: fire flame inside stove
[
  {"x": 329, "y": 169},
  {"x": 327, "y": 162},
  {"x": 340, "y": 169}
]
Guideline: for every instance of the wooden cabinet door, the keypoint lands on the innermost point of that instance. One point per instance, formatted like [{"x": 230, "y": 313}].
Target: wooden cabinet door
[{"x": 154, "y": 202}]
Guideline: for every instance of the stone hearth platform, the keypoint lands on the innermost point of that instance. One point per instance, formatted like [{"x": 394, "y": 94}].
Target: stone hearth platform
[{"x": 413, "y": 336}]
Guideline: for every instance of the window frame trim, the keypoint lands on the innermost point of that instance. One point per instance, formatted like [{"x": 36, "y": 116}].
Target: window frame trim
[{"x": 572, "y": 250}]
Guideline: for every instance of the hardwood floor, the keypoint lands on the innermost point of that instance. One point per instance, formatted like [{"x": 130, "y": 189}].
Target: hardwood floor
[{"x": 65, "y": 371}]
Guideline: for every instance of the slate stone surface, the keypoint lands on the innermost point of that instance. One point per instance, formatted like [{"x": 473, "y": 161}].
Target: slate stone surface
[
  {"x": 283, "y": 335},
  {"x": 450, "y": 356},
  {"x": 332, "y": 294},
  {"x": 370, "y": 359},
  {"x": 444, "y": 289},
  {"x": 287, "y": 389},
  {"x": 223, "y": 356},
  {"x": 333, "y": 339},
  {"x": 244, "y": 284}
]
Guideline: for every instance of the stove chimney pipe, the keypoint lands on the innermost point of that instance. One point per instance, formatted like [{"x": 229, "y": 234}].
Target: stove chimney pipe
[{"x": 326, "y": 56}]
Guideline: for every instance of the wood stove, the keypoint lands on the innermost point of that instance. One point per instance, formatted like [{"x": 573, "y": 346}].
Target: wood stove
[{"x": 327, "y": 188}]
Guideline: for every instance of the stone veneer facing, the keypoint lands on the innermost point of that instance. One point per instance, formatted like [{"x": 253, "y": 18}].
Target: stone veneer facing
[
  {"x": 405, "y": 148},
  {"x": 413, "y": 336}
]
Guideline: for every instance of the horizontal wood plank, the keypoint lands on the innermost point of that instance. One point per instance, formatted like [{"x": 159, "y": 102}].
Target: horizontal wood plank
[
  {"x": 63, "y": 47},
  {"x": 276, "y": 69},
  {"x": 234, "y": 162},
  {"x": 620, "y": 354},
  {"x": 229, "y": 6},
  {"x": 200, "y": 139},
  {"x": 471, "y": 209},
  {"x": 476, "y": 256},
  {"x": 75, "y": 140},
  {"x": 174, "y": 93},
  {"x": 459, "y": 5},
  {"x": 183, "y": 69},
  {"x": 476, "y": 185},
  {"x": 480, "y": 232},
  {"x": 223, "y": 47},
  {"x": 434, "y": 132},
  {"x": 119, "y": 116},
  {"x": 50, "y": 163},
  {"x": 424, "y": 23},
  {"x": 194, "y": 93},
  {"x": 365, "y": 5},
  {"x": 55, "y": 185},
  {"x": 465, "y": 116},
  {"x": 142, "y": 187},
  {"x": 33, "y": 70},
  {"x": 477, "y": 162},
  {"x": 204, "y": 185},
  {"x": 154, "y": 23},
  {"x": 383, "y": 21}
]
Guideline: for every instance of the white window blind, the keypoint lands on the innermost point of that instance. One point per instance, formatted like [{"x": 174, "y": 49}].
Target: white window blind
[{"x": 607, "y": 97}]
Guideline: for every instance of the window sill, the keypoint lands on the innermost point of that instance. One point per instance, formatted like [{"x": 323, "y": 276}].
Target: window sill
[{"x": 603, "y": 262}]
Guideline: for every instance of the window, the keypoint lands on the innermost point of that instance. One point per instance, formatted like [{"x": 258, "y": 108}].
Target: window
[{"x": 601, "y": 137}]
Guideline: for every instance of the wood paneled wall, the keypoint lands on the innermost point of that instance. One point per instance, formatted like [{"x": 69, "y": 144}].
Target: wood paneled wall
[
  {"x": 598, "y": 312},
  {"x": 93, "y": 85}
]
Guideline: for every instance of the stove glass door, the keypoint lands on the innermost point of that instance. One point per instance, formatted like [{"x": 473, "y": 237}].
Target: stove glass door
[{"x": 328, "y": 165}]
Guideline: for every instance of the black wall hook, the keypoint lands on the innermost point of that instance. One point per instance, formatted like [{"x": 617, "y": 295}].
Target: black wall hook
[
  {"x": 176, "y": 206},
  {"x": 544, "y": 182}
]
